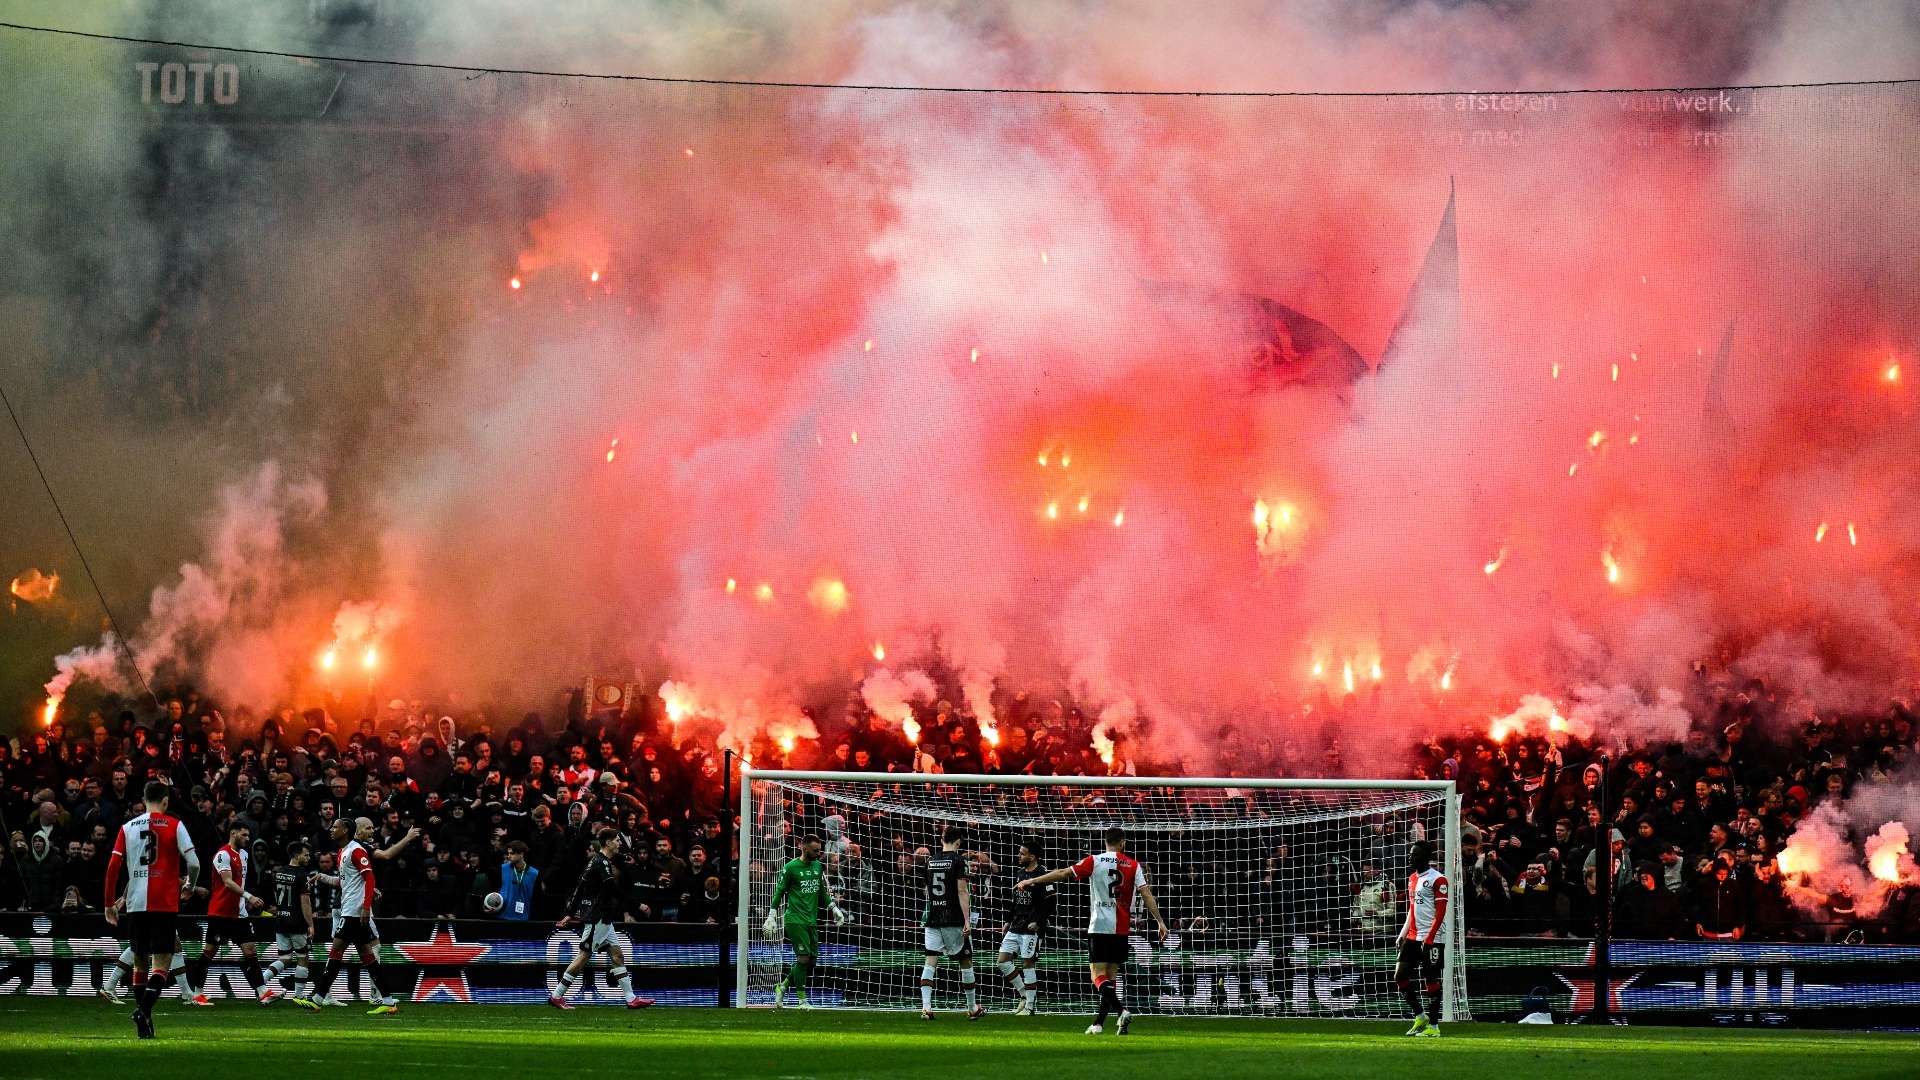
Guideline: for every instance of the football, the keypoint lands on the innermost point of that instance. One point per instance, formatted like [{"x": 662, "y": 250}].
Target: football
[{"x": 493, "y": 903}]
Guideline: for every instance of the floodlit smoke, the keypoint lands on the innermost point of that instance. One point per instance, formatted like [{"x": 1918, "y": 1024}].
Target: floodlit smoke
[{"x": 1192, "y": 413}]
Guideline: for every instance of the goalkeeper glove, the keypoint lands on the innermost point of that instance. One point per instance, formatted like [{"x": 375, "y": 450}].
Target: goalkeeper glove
[
  {"x": 772, "y": 925},
  {"x": 840, "y": 916}
]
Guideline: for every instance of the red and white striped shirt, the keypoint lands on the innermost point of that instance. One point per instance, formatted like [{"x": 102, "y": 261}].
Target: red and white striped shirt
[
  {"x": 356, "y": 880},
  {"x": 1112, "y": 877},
  {"x": 158, "y": 856},
  {"x": 225, "y": 903},
  {"x": 1426, "y": 905}
]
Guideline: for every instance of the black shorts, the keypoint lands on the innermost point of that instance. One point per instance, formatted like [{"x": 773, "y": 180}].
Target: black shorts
[
  {"x": 1419, "y": 963},
  {"x": 354, "y": 930},
  {"x": 152, "y": 933},
  {"x": 1106, "y": 948},
  {"x": 225, "y": 929}
]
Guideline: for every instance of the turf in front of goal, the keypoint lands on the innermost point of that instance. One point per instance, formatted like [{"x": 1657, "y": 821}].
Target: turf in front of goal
[{"x": 42, "y": 1038}]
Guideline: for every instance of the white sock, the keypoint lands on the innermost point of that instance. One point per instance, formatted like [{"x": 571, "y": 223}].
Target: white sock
[
  {"x": 966, "y": 983},
  {"x": 566, "y": 985},
  {"x": 118, "y": 970},
  {"x": 926, "y": 986},
  {"x": 1032, "y": 991},
  {"x": 181, "y": 980},
  {"x": 624, "y": 979},
  {"x": 302, "y": 982}
]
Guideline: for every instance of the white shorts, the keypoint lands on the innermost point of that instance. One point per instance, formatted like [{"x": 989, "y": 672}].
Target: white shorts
[
  {"x": 948, "y": 941},
  {"x": 595, "y": 936},
  {"x": 1024, "y": 946},
  {"x": 288, "y": 944}
]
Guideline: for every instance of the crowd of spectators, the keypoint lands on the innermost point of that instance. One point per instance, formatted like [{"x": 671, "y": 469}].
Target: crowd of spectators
[{"x": 1695, "y": 826}]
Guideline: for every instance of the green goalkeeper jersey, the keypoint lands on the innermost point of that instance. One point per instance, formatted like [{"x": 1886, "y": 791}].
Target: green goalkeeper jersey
[{"x": 803, "y": 885}]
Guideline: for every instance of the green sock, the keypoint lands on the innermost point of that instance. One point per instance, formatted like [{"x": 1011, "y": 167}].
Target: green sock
[{"x": 797, "y": 978}]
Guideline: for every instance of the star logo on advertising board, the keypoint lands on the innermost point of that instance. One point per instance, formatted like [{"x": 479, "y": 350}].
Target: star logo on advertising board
[
  {"x": 1584, "y": 990},
  {"x": 442, "y": 949}
]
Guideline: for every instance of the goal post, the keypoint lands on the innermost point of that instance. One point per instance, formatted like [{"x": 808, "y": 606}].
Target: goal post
[{"x": 1285, "y": 897}]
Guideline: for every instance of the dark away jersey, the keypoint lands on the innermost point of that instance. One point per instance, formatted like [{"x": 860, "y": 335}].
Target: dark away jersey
[
  {"x": 597, "y": 896},
  {"x": 289, "y": 884},
  {"x": 941, "y": 883},
  {"x": 1032, "y": 909}
]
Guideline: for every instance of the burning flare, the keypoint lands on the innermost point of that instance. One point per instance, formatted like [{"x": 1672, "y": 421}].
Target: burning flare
[
  {"x": 1613, "y": 567},
  {"x": 1887, "y": 856},
  {"x": 879, "y": 651},
  {"x": 829, "y": 595},
  {"x": 35, "y": 587},
  {"x": 1820, "y": 533},
  {"x": 1494, "y": 563},
  {"x": 49, "y": 710}
]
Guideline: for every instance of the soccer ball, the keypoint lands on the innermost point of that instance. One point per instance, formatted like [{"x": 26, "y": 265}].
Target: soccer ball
[{"x": 493, "y": 903}]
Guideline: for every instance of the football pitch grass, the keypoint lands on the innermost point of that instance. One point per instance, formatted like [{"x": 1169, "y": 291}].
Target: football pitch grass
[{"x": 67, "y": 1039}]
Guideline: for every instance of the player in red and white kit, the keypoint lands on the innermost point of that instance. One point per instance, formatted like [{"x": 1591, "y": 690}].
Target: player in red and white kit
[
  {"x": 354, "y": 922},
  {"x": 230, "y": 911},
  {"x": 1113, "y": 879},
  {"x": 1422, "y": 947},
  {"x": 160, "y": 863}
]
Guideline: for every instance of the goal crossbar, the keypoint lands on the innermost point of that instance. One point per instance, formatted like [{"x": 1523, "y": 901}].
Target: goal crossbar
[{"x": 1022, "y": 780}]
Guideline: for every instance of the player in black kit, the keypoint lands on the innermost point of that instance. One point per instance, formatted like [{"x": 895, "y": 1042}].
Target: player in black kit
[
  {"x": 1032, "y": 912},
  {"x": 595, "y": 905},
  {"x": 289, "y": 885},
  {"x": 949, "y": 914}
]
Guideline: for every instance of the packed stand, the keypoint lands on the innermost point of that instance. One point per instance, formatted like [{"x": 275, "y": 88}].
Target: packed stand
[{"x": 1696, "y": 827}]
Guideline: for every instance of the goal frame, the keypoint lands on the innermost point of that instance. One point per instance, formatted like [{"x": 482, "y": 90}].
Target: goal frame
[{"x": 749, "y": 774}]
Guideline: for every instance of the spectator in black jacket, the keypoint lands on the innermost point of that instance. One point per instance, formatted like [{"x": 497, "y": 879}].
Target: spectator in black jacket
[
  {"x": 1720, "y": 907},
  {"x": 1647, "y": 910}
]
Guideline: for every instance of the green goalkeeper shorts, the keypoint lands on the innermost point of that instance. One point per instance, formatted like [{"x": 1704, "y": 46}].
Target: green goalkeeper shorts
[{"x": 804, "y": 937}]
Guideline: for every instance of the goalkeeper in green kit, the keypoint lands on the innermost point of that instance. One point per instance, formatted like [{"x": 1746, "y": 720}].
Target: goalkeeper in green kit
[{"x": 803, "y": 885}]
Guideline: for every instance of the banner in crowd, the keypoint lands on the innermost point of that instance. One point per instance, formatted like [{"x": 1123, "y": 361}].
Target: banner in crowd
[{"x": 498, "y": 962}]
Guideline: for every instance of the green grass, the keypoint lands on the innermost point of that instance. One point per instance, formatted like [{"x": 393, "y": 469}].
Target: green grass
[{"x": 71, "y": 1039}]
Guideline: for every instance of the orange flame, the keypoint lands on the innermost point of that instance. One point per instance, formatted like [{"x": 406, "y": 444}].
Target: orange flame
[
  {"x": 855, "y": 436},
  {"x": 1798, "y": 858},
  {"x": 1556, "y": 371},
  {"x": 370, "y": 659},
  {"x": 1066, "y": 458},
  {"x": 1613, "y": 567},
  {"x": 1319, "y": 668},
  {"x": 611, "y": 447},
  {"x": 1594, "y": 440},
  {"x": 48, "y": 711},
  {"x": 327, "y": 660},
  {"x": 1494, "y": 563},
  {"x": 1892, "y": 374},
  {"x": 829, "y": 595},
  {"x": 34, "y": 587},
  {"x": 974, "y": 357},
  {"x": 1053, "y": 511},
  {"x": 1446, "y": 679},
  {"x": 763, "y": 592},
  {"x": 910, "y": 727},
  {"x": 1083, "y": 499},
  {"x": 1616, "y": 373},
  {"x": 594, "y": 277},
  {"x": 879, "y": 651},
  {"x": 869, "y": 346},
  {"x": 1346, "y": 675},
  {"x": 1376, "y": 672},
  {"x": 732, "y": 585},
  {"x": 786, "y": 744},
  {"x": 1573, "y": 468},
  {"x": 1820, "y": 533},
  {"x": 1043, "y": 459},
  {"x": 1119, "y": 518},
  {"x": 1852, "y": 537}
]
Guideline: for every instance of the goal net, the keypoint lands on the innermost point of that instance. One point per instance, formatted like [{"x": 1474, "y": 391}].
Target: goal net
[{"x": 1284, "y": 897}]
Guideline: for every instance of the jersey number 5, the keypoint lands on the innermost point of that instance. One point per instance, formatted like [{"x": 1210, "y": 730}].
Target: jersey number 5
[{"x": 937, "y": 885}]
